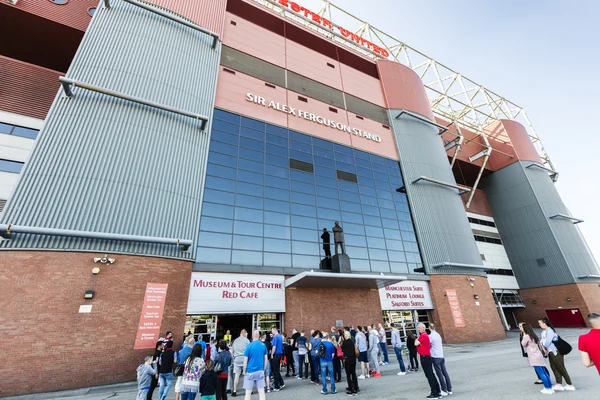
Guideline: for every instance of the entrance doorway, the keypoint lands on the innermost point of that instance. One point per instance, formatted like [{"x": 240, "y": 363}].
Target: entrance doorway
[
  {"x": 209, "y": 327},
  {"x": 234, "y": 323}
]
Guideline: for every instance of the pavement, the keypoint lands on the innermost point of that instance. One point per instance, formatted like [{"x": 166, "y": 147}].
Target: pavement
[{"x": 493, "y": 370}]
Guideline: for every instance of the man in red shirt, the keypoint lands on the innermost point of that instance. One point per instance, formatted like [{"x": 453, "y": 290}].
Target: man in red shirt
[
  {"x": 589, "y": 344},
  {"x": 424, "y": 349}
]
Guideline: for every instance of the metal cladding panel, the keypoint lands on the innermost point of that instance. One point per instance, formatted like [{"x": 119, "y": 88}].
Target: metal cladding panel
[
  {"x": 74, "y": 13},
  {"x": 314, "y": 89},
  {"x": 209, "y": 14},
  {"x": 440, "y": 219},
  {"x": 26, "y": 89},
  {"x": 522, "y": 200},
  {"x": 234, "y": 59},
  {"x": 102, "y": 164}
]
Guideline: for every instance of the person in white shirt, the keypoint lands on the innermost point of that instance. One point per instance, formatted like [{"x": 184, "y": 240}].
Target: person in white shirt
[
  {"x": 439, "y": 364},
  {"x": 397, "y": 345},
  {"x": 383, "y": 344}
]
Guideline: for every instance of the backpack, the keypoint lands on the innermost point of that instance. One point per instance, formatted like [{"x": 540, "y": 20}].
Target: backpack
[
  {"x": 302, "y": 350},
  {"x": 322, "y": 350}
]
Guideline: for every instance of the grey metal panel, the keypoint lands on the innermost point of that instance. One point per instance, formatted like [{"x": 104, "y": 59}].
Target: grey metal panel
[
  {"x": 366, "y": 109},
  {"x": 252, "y": 66},
  {"x": 486, "y": 233},
  {"x": 441, "y": 223},
  {"x": 107, "y": 165},
  {"x": 314, "y": 89},
  {"x": 522, "y": 200}
]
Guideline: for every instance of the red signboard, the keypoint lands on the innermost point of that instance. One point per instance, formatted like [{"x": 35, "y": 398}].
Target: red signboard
[
  {"x": 152, "y": 312},
  {"x": 457, "y": 315}
]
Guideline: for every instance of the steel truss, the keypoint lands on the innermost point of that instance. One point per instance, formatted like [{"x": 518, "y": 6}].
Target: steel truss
[{"x": 453, "y": 97}]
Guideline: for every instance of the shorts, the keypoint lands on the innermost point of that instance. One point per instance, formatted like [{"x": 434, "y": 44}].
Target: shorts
[
  {"x": 258, "y": 378},
  {"x": 238, "y": 366},
  {"x": 178, "y": 384},
  {"x": 362, "y": 357},
  {"x": 208, "y": 397}
]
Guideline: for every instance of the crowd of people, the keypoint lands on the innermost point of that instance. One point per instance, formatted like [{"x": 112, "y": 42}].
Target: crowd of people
[{"x": 214, "y": 370}]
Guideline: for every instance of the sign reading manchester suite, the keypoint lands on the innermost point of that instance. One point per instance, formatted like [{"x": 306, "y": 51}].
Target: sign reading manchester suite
[
  {"x": 407, "y": 295},
  {"x": 215, "y": 293}
]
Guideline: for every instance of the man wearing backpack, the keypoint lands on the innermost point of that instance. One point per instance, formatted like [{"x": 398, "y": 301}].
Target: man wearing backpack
[
  {"x": 302, "y": 346},
  {"x": 326, "y": 354}
]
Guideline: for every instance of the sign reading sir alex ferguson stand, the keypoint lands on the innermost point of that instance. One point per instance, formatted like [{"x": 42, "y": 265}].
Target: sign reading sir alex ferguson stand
[{"x": 235, "y": 293}]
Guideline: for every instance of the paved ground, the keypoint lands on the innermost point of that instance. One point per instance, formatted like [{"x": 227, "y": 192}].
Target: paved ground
[{"x": 493, "y": 370}]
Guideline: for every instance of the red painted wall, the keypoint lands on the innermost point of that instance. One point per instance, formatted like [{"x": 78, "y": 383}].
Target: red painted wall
[{"x": 74, "y": 13}]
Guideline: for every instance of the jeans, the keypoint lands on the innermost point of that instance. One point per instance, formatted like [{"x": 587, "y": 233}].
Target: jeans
[
  {"x": 230, "y": 378},
  {"x": 557, "y": 364},
  {"x": 398, "y": 352},
  {"x": 276, "y": 367},
  {"x": 440, "y": 370},
  {"x": 414, "y": 361},
  {"x": 544, "y": 376},
  {"x": 296, "y": 356},
  {"x": 166, "y": 380},
  {"x": 327, "y": 370},
  {"x": 383, "y": 347},
  {"x": 316, "y": 363},
  {"x": 337, "y": 368},
  {"x": 351, "y": 374},
  {"x": 302, "y": 366},
  {"x": 427, "y": 364},
  {"x": 221, "y": 389},
  {"x": 153, "y": 386},
  {"x": 188, "y": 395}
]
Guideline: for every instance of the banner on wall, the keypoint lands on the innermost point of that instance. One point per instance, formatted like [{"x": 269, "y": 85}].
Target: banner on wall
[
  {"x": 457, "y": 315},
  {"x": 407, "y": 295},
  {"x": 151, "y": 318},
  {"x": 215, "y": 293}
]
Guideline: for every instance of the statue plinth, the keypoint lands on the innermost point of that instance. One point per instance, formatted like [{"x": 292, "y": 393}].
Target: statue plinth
[
  {"x": 325, "y": 264},
  {"x": 340, "y": 263}
]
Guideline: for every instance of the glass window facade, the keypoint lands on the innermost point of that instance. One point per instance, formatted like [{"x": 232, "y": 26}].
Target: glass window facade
[{"x": 259, "y": 210}]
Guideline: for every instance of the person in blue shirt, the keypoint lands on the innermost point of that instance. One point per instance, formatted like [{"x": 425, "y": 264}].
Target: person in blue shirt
[
  {"x": 314, "y": 343},
  {"x": 326, "y": 361},
  {"x": 276, "y": 355},
  {"x": 202, "y": 343},
  {"x": 255, "y": 361}
]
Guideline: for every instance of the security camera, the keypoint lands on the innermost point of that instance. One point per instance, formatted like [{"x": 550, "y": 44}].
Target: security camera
[{"x": 104, "y": 260}]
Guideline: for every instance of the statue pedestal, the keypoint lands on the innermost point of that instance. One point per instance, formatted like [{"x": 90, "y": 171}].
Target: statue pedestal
[
  {"x": 325, "y": 264},
  {"x": 340, "y": 263}
]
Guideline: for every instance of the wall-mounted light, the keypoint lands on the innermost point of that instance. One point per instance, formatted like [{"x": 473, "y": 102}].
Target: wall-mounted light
[
  {"x": 534, "y": 301},
  {"x": 568, "y": 299},
  {"x": 104, "y": 260},
  {"x": 89, "y": 294},
  {"x": 96, "y": 271},
  {"x": 471, "y": 279},
  {"x": 476, "y": 296}
]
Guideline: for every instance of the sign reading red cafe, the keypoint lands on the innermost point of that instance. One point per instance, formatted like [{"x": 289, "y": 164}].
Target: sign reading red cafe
[{"x": 325, "y": 23}]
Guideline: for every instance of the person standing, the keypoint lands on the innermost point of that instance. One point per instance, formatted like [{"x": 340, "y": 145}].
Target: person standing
[
  {"x": 276, "y": 354},
  {"x": 184, "y": 353},
  {"x": 314, "y": 344},
  {"x": 326, "y": 354},
  {"x": 398, "y": 345},
  {"x": 589, "y": 344},
  {"x": 290, "y": 361},
  {"x": 524, "y": 351},
  {"x": 266, "y": 339},
  {"x": 238, "y": 348},
  {"x": 165, "y": 372},
  {"x": 145, "y": 373},
  {"x": 227, "y": 337},
  {"x": 423, "y": 345},
  {"x": 337, "y": 362},
  {"x": 412, "y": 352},
  {"x": 557, "y": 360},
  {"x": 223, "y": 361},
  {"x": 383, "y": 344},
  {"x": 208, "y": 382},
  {"x": 535, "y": 355},
  {"x": 361, "y": 345},
  {"x": 349, "y": 350},
  {"x": 255, "y": 361},
  {"x": 156, "y": 360},
  {"x": 374, "y": 351},
  {"x": 439, "y": 363},
  {"x": 303, "y": 356},
  {"x": 295, "y": 352},
  {"x": 192, "y": 372}
]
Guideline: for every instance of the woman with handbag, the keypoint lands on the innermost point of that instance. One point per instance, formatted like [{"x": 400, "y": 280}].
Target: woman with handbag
[
  {"x": 557, "y": 360},
  {"x": 524, "y": 352},
  {"x": 337, "y": 359},
  {"x": 192, "y": 372},
  {"x": 222, "y": 362},
  {"x": 350, "y": 353},
  {"x": 536, "y": 354}
]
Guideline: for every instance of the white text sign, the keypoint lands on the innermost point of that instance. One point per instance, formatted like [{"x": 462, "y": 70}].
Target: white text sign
[{"x": 407, "y": 295}]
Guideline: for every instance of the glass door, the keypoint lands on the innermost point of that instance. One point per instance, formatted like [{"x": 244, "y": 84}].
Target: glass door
[
  {"x": 264, "y": 322},
  {"x": 201, "y": 326}
]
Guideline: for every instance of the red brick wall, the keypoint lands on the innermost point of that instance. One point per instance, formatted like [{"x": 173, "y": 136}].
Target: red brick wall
[
  {"x": 320, "y": 308},
  {"x": 584, "y": 296},
  {"x": 482, "y": 322},
  {"x": 47, "y": 345}
]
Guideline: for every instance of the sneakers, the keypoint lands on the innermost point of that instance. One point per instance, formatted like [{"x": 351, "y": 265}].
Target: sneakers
[
  {"x": 334, "y": 392},
  {"x": 322, "y": 392},
  {"x": 282, "y": 386},
  {"x": 298, "y": 377},
  {"x": 233, "y": 394},
  {"x": 546, "y": 391},
  {"x": 385, "y": 363},
  {"x": 361, "y": 377},
  {"x": 276, "y": 389},
  {"x": 401, "y": 373},
  {"x": 558, "y": 388},
  {"x": 449, "y": 391},
  {"x": 433, "y": 396},
  {"x": 376, "y": 375},
  {"x": 570, "y": 388},
  {"x": 267, "y": 390},
  {"x": 443, "y": 394}
]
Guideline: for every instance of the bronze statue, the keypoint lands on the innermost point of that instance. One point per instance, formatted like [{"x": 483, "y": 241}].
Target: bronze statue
[
  {"x": 338, "y": 237},
  {"x": 326, "y": 242}
]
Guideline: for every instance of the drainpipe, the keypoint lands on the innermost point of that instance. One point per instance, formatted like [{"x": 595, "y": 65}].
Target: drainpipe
[{"x": 486, "y": 154}]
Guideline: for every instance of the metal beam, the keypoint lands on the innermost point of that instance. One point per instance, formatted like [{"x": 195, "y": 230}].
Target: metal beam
[
  {"x": 553, "y": 173},
  {"x": 67, "y": 83},
  {"x": 461, "y": 190},
  {"x": 441, "y": 128},
  {"x": 6, "y": 230},
  {"x": 563, "y": 216},
  {"x": 590, "y": 276},
  {"x": 459, "y": 265}
]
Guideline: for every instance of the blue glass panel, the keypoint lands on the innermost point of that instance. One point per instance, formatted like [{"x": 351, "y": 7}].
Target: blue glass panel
[
  {"x": 220, "y": 183},
  {"x": 323, "y": 153},
  {"x": 399, "y": 268},
  {"x": 374, "y": 231},
  {"x": 378, "y": 159},
  {"x": 253, "y": 155},
  {"x": 247, "y": 242},
  {"x": 250, "y": 189},
  {"x": 222, "y": 159},
  {"x": 324, "y": 171},
  {"x": 368, "y": 200},
  {"x": 366, "y": 181},
  {"x": 254, "y": 124},
  {"x": 370, "y": 210},
  {"x": 276, "y": 160},
  {"x": 406, "y": 226},
  {"x": 277, "y": 206},
  {"x": 339, "y": 157},
  {"x": 326, "y": 182},
  {"x": 277, "y": 194},
  {"x": 363, "y": 165},
  {"x": 278, "y": 245},
  {"x": 252, "y": 177},
  {"x": 411, "y": 246},
  {"x": 325, "y": 213},
  {"x": 380, "y": 266},
  {"x": 383, "y": 185},
  {"x": 302, "y": 176},
  {"x": 400, "y": 197},
  {"x": 308, "y": 235},
  {"x": 366, "y": 190},
  {"x": 408, "y": 236},
  {"x": 302, "y": 187},
  {"x": 247, "y": 214},
  {"x": 252, "y": 134},
  {"x": 343, "y": 149},
  {"x": 361, "y": 265},
  {"x": 412, "y": 257},
  {"x": 392, "y": 234},
  {"x": 376, "y": 254},
  {"x": 402, "y": 207},
  {"x": 226, "y": 116},
  {"x": 248, "y": 201},
  {"x": 396, "y": 256},
  {"x": 224, "y": 148},
  {"x": 307, "y": 211},
  {"x": 304, "y": 222},
  {"x": 247, "y": 228},
  {"x": 350, "y": 217},
  {"x": 277, "y": 130},
  {"x": 356, "y": 252},
  {"x": 243, "y": 257},
  {"x": 394, "y": 245},
  {"x": 277, "y": 218},
  {"x": 277, "y": 260},
  {"x": 216, "y": 196},
  {"x": 345, "y": 167},
  {"x": 386, "y": 204},
  {"x": 354, "y": 229},
  {"x": 217, "y": 210},
  {"x": 300, "y": 137},
  {"x": 307, "y": 148},
  {"x": 375, "y": 243},
  {"x": 6, "y": 128},
  {"x": 273, "y": 181},
  {"x": 350, "y": 197},
  {"x": 385, "y": 213},
  {"x": 348, "y": 206},
  {"x": 221, "y": 171},
  {"x": 349, "y": 186},
  {"x": 224, "y": 137},
  {"x": 325, "y": 162},
  {"x": 362, "y": 155},
  {"x": 373, "y": 221},
  {"x": 220, "y": 240},
  {"x": 251, "y": 166},
  {"x": 378, "y": 169},
  {"x": 384, "y": 194},
  {"x": 396, "y": 181},
  {"x": 226, "y": 126},
  {"x": 210, "y": 224},
  {"x": 328, "y": 203},
  {"x": 278, "y": 140},
  {"x": 390, "y": 223},
  {"x": 278, "y": 150},
  {"x": 278, "y": 232},
  {"x": 252, "y": 144},
  {"x": 322, "y": 143},
  {"x": 327, "y": 192},
  {"x": 280, "y": 172},
  {"x": 308, "y": 262},
  {"x": 298, "y": 155},
  {"x": 305, "y": 248},
  {"x": 302, "y": 198},
  {"x": 216, "y": 256},
  {"x": 402, "y": 216}
]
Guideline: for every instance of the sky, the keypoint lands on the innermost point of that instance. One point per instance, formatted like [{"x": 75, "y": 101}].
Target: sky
[{"x": 543, "y": 55}]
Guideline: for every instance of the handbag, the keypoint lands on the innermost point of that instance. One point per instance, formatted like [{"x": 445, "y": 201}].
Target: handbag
[
  {"x": 339, "y": 353},
  {"x": 178, "y": 369},
  {"x": 219, "y": 364},
  {"x": 562, "y": 346},
  {"x": 356, "y": 352}
]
